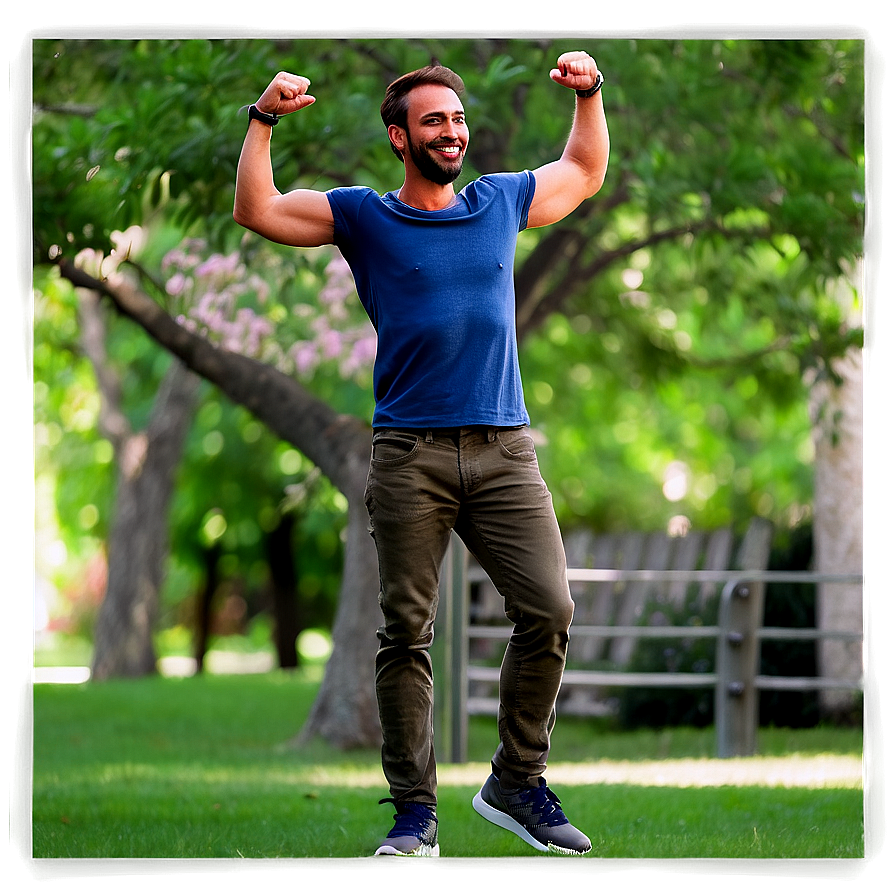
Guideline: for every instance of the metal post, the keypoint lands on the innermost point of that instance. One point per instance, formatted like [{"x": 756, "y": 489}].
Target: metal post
[
  {"x": 454, "y": 606},
  {"x": 737, "y": 663}
]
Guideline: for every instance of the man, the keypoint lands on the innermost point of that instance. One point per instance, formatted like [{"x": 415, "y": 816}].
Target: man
[{"x": 451, "y": 449}]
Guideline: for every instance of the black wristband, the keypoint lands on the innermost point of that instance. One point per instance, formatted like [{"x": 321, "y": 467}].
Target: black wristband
[
  {"x": 584, "y": 94},
  {"x": 256, "y": 114}
]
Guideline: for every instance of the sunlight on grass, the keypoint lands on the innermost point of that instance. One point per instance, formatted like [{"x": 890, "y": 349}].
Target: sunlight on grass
[{"x": 207, "y": 767}]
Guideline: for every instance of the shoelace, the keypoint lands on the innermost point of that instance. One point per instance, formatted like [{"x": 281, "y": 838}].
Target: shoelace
[
  {"x": 546, "y": 805},
  {"x": 411, "y": 818}
]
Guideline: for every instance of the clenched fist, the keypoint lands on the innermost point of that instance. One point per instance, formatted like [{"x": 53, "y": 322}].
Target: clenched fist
[
  {"x": 576, "y": 70},
  {"x": 285, "y": 94}
]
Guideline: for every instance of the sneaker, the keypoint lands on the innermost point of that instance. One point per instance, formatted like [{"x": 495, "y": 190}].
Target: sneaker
[
  {"x": 414, "y": 832},
  {"x": 532, "y": 813}
]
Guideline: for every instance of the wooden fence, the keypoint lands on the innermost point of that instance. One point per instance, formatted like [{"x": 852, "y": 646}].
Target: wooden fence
[{"x": 468, "y": 687}]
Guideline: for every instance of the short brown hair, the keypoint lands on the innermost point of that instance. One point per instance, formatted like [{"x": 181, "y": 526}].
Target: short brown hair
[{"x": 394, "y": 109}]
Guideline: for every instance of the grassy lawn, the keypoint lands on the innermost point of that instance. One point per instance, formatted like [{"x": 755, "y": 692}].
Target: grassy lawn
[{"x": 203, "y": 768}]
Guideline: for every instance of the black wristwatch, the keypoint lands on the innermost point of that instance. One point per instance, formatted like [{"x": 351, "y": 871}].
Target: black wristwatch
[
  {"x": 263, "y": 117},
  {"x": 593, "y": 89}
]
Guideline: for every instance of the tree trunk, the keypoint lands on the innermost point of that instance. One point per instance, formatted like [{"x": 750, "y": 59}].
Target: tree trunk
[
  {"x": 837, "y": 527},
  {"x": 138, "y": 542},
  {"x": 288, "y": 623},
  {"x": 345, "y": 712},
  {"x": 204, "y": 602},
  {"x": 836, "y": 410}
]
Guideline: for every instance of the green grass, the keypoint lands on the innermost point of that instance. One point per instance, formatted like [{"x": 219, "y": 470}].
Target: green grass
[{"x": 203, "y": 768}]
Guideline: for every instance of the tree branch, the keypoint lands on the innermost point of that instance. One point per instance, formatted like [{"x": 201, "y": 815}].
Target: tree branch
[
  {"x": 539, "y": 301},
  {"x": 564, "y": 242},
  {"x": 79, "y": 110},
  {"x": 332, "y": 441}
]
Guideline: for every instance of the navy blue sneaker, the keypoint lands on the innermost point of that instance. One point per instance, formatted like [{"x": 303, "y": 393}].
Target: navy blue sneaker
[
  {"x": 414, "y": 833},
  {"x": 532, "y": 813}
]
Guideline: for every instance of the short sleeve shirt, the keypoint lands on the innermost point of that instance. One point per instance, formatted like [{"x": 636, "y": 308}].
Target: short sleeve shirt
[{"x": 438, "y": 288}]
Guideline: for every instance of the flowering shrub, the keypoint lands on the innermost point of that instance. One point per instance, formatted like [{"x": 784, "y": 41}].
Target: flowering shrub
[
  {"x": 209, "y": 289},
  {"x": 217, "y": 297},
  {"x": 332, "y": 337}
]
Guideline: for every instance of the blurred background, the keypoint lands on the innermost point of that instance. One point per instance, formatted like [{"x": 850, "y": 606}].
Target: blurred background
[{"x": 690, "y": 339}]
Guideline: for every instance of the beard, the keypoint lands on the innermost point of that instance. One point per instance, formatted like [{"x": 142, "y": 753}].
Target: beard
[{"x": 438, "y": 171}]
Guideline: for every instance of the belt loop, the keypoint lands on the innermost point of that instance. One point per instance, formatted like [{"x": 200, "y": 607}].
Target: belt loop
[
  {"x": 429, "y": 436},
  {"x": 492, "y": 433}
]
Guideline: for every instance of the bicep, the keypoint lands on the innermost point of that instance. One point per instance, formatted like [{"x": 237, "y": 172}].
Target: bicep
[
  {"x": 557, "y": 192},
  {"x": 298, "y": 218}
]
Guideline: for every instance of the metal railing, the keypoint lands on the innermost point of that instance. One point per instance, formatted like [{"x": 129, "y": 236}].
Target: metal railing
[{"x": 738, "y": 636}]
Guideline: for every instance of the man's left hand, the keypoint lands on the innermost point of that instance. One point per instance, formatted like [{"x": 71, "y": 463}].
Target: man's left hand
[{"x": 576, "y": 70}]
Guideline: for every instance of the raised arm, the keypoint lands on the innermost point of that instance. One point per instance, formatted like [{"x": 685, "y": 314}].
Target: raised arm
[
  {"x": 561, "y": 186},
  {"x": 297, "y": 218}
]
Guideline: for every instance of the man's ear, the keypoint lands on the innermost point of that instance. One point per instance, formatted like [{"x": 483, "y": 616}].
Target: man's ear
[{"x": 398, "y": 136}]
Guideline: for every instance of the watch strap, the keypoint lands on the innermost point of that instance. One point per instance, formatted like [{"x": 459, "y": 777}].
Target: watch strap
[
  {"x": 593, "y": 89},
  {"x": 257, "y": 115}
]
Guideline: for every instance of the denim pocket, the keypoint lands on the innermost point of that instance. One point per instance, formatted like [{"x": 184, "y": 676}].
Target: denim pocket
[
  {"x": 392, "y": 448},
  {"x": 517, "y": 444}
]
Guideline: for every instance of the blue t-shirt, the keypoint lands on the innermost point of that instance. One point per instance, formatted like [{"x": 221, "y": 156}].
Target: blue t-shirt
[{"x": 438, "y": 287}]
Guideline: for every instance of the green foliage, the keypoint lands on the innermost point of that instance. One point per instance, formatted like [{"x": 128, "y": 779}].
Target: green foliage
[
  {"x": 237, "y": 480},
  {"x": 234, "y": 485},
  {"x": 126, "y": 126},
  {"x": 675, "y": 319},
  {"x": 613, "y": 430},
  {"x": 66, "y": 406}
]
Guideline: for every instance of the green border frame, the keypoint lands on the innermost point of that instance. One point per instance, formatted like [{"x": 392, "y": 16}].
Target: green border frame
[{"x": 20, "y": 21}]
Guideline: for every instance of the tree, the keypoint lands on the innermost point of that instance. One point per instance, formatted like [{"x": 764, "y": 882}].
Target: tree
[
  {"x": 146, "y": 462},
  {"x": 837, "y": 414},
  {"x": 338, "y": 444},
  {"x": 734, "y": 194}
]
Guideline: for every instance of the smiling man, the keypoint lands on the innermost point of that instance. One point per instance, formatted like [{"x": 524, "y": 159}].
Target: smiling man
[
  {"x": 424, "y": 117},
  {"x": 451, "y": 447}
]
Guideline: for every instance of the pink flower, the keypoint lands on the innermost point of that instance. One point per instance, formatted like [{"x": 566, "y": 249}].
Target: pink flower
[
  {"x": 219, "y": 266},
  {"x": 304, "y": 356},
  {"x": 177, "y": 284},
  {"x": 330, "y": 344}
]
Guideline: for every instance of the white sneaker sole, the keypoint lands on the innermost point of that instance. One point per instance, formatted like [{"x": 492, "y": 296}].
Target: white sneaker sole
[
  {"x": 503, "y": 820},
  {"x": 422, "y": 850}
]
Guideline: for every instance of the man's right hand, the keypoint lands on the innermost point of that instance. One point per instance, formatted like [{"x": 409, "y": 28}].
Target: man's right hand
[{"x": 285, "y": 94}]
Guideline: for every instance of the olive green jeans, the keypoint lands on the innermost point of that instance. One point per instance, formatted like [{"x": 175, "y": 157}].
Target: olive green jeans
[{"x": 486, "y": 485}]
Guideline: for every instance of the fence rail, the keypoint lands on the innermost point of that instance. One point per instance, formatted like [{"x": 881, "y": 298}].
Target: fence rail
[{"x": 738, "y": 636}]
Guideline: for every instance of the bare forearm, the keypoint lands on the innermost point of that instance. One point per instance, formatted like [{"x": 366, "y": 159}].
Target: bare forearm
[
  {"x": 254, "y": 176},
  {"x": 588, "y": 145}
]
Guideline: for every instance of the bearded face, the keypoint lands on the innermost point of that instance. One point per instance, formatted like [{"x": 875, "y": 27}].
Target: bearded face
[
  {"x": 435, "y": 135},
  {"x": 440, "y": 161}
]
